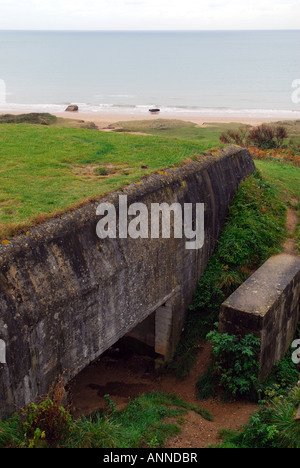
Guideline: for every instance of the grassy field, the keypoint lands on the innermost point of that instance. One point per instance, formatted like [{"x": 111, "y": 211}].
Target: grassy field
[
  {"x": 50, "y": 165},
  {"x": 208, "y": 134},
  {"x": 45, "y": 170},
  {"x": 280, "y": 171}
]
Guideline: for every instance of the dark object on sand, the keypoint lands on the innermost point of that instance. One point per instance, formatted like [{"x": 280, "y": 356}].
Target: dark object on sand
[
  {"x": 72, "y": 108},
  {"x": 154, "y": 111}
]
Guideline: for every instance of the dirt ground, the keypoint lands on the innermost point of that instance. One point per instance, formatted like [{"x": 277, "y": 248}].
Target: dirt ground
[
  {"x": 292, "y": 221},
  {"x": 126, "y": 377}
]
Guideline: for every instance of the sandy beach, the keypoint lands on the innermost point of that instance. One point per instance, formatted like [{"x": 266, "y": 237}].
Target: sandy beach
[{"x": 105, "y": 119}]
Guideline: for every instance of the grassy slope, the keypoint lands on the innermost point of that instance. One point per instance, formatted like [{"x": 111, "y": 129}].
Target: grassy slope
[
  {"x": 208, "y": 134},
  {"x": 286, "y": 177},
  {"x": 287, "y": 180},
  {"x": 45, "y": 170}
]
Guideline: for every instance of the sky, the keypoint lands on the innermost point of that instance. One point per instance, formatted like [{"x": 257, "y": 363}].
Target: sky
[{"x": 149, "y": 14}]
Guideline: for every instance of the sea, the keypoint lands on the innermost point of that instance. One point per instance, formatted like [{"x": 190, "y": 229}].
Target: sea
[{"x": 218, "y": 73}]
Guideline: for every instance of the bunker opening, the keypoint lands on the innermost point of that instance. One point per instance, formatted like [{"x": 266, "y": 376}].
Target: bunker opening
[{"x": 127, "y": 368}]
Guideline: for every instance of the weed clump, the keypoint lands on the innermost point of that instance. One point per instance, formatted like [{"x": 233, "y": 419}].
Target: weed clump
[{"x": 264, "y": 136}]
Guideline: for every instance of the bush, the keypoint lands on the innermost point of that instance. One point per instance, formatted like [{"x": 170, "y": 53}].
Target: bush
[
  {"x": 48, "y": 422},
  {"x": 240, "y": 137},
  {"x": 264, "y": 136},
  {"x": 235, "y": 363},
  {"x": 267, "y": 136}
]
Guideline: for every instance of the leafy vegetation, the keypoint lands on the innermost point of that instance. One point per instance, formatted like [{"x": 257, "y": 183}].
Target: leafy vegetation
[
  {"x": 141, "y": 424},
  {"x": 233, "y": 372},
  {"x": 235, "y": 364},
  {"x": 274, "y": 426},
  {"x": 256, "y": 228}
]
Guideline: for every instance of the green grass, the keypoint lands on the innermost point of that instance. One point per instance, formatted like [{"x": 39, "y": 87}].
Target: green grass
[
  {"x": 274, "y": 426},
  {"x": 46, "y": 170},
  {"x": 255, "y": 230},
  {"x": 147, "y": 422},
  {"x": 45, "y": 119},
  {"x": 208, "y": 134},
  {"x": 286, "y": 178}
]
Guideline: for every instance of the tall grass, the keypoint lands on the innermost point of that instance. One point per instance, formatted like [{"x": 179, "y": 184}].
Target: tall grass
[
  {"x": 274, "y": 426},
  {"x": 147, "y": 422}
]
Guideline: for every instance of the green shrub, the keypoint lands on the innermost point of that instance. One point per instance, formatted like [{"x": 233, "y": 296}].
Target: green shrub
[
  {"x": 47, "y": 422},
  {"x": 235, "y": 363},
  {"x": 264, "y": 136},
  {"x": 268, "y": 136},
  {"x": 284, "y": 375}
]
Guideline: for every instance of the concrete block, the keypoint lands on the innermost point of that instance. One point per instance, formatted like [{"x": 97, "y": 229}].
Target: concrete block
[{"x": 266, "y": 305}]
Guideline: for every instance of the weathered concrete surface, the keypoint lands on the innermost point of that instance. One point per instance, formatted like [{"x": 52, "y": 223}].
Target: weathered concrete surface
[
  {"x": 66, "y": 296},
  {"x": 266, "y": 305}
]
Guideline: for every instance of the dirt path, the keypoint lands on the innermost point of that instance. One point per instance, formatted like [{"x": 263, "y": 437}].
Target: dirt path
[
  {"x": 291, "y": 223},
  {"x": 126, "y": 377}
]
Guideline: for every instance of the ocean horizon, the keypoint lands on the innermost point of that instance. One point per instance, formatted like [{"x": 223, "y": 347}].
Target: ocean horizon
[{"x": 233, "y": 73}]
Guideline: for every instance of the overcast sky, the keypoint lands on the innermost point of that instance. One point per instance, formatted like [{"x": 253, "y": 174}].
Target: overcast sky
[{"x": 149, "y": 14}]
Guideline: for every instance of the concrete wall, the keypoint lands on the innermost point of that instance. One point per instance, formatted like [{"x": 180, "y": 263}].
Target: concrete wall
[
  {"x": 66, "y": 296},
  {"x": 266, "y": 305}
]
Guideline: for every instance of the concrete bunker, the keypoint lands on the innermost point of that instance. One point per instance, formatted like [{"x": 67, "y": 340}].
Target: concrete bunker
[
  {"x": 267, "y": 306},
  {"x": 67, "y": 296},
  {"x": 154, "y": 332}
]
